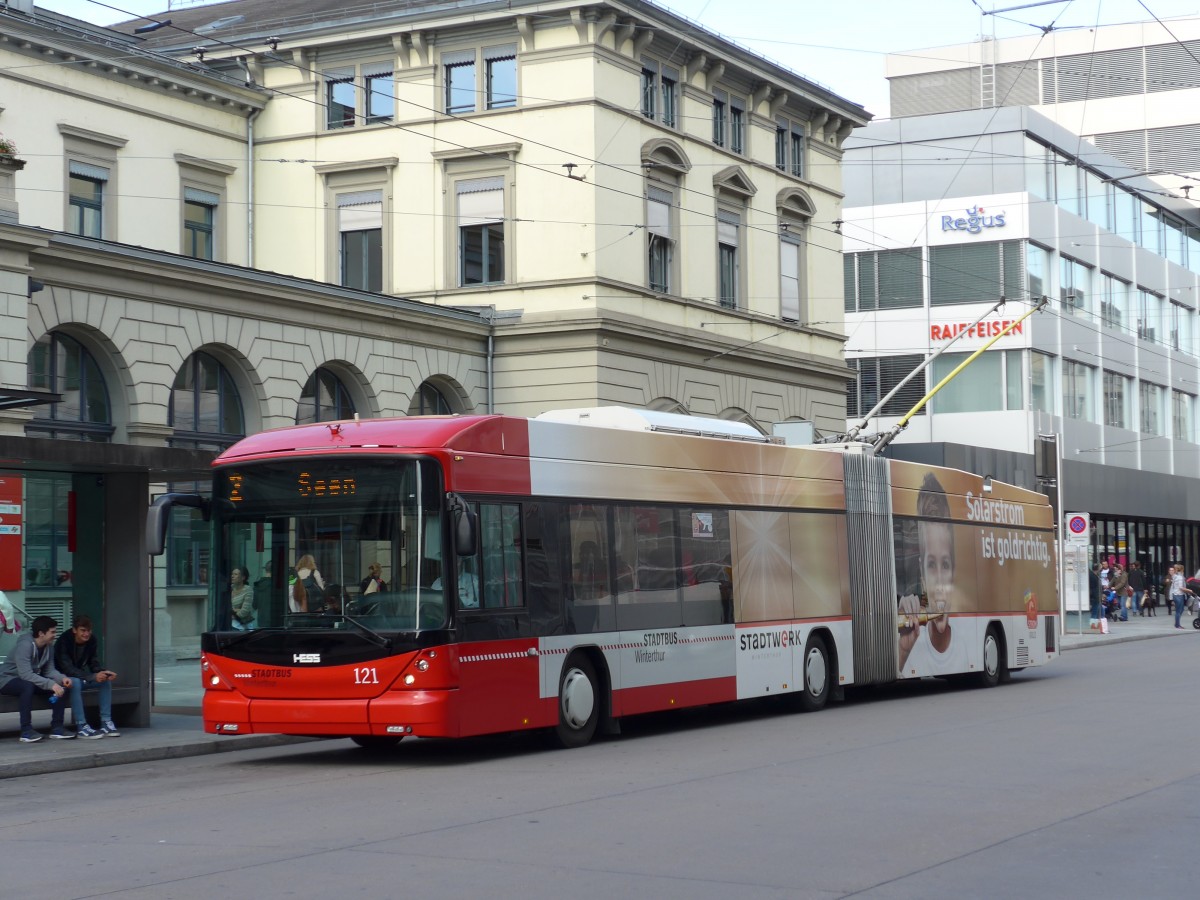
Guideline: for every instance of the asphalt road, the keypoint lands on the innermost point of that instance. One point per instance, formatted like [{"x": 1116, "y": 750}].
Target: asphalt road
[{"x": 1079, "y": 780}]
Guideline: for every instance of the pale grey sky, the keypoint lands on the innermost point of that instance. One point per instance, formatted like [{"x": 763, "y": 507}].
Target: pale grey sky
[{"x": 840, "y": 44}]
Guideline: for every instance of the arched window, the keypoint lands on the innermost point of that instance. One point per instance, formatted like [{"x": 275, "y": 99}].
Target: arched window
[
  {"x": 429, "y": 401},
  {"x": 665, "y": 165},
  {"x": 206, "y": 411},
  {"x": 324, "y": 399},
  {"x": 60, "y": 364},
  {"x": 795, "y": 213}
]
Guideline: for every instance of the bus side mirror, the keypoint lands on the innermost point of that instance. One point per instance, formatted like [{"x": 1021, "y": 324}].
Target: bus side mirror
[
  {"x": 158, "y": 515},
  {"x": 463, "y": 521}
]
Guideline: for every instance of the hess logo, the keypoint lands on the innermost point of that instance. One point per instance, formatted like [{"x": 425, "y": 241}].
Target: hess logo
[{"x": 306, "y": 657}]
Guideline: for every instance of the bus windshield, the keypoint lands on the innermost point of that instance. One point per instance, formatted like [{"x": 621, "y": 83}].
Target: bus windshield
[{"x": 328, "y": 543}]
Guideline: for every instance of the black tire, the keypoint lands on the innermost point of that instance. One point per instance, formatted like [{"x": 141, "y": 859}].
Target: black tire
[
  {"x": 814, "y": 676},
  {"x": 579, "y": 702},
  {"x": 995, "y": 667},
  {"x": 377, "y": 742}
]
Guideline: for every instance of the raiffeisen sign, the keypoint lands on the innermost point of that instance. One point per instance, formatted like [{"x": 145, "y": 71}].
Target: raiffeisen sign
[{"x": 974, "y": 222}]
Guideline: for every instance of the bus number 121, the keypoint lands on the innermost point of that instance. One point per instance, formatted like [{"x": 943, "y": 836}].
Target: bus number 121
[{"x": 366, "y": 676}]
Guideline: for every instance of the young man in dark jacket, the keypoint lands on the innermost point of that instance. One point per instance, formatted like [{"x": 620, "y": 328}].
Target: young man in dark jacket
[
  {"x": 29, "y": 670},
  {"x": 75, "y": 654}
]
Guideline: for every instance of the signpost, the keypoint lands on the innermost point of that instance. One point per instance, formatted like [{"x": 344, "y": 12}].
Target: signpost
[{"x": 1077, "y": 535}]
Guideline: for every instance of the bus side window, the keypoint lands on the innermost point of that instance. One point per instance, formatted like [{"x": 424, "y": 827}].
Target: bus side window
[
  {"x": 545, "y": 537},
  {"x": 645, "y": 539},
  {"x": 590, "y": 597},
  {"x": 500, "y": 555},
  {"x": 705, "y": 566}
]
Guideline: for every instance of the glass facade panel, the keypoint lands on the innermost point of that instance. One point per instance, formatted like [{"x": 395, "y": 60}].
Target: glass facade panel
[
  {"x": 1117, "y": 389},
  {"x": 1075, "y": 287},
  {"x": 1126, "y": 214},
  {"x": 1114, "y": 301},
  {"x": 1037, "y": 267},
  {"x": 1181, "y": 416},
  {"x": 979, "y": 387},
  {"x": 1098, "y": 212},
  {"x": 1079, "y": 391},
  {"x": 1039, "y": 170},
  {"x": 1014, "y": 379},
  {"x": 1150, "y": 404},
  {"x": 1150, "y": 317}
]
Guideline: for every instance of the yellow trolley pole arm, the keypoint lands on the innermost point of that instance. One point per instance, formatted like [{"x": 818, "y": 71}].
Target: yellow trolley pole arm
[{"x": 887, "y": 437}]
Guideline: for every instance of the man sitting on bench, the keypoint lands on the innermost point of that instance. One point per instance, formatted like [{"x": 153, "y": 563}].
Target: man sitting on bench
[{"x": 75, "y": 655}]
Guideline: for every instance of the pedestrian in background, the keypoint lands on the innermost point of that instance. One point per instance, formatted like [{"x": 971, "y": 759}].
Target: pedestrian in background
[
  {"x": 1179, "y": 592},
  {"x": 1117, "y": 584},
  {"x": 1094, "y": 595},
  {"x": 1137, "y": 584}
]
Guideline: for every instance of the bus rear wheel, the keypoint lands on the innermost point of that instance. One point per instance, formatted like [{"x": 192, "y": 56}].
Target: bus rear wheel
[
  {"x": 377, "y": 741},
  {"x": 814, "y": 692},
  {"x": 995, "y": 668},
  {"x": 578, "y": 703}
]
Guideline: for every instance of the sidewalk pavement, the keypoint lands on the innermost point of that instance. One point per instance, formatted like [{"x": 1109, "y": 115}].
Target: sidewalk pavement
[
  {"x": 174, "y": 736},
  {"x": 170, "y": 736}
]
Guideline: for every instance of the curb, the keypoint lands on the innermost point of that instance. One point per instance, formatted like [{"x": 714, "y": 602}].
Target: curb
[
  {"x": 100, "y": 759},
  {"x": 1108, "y": 640}
]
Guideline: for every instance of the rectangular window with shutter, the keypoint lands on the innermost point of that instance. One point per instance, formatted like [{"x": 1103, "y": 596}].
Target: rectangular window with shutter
[
  {"x": 660, "y": 239},
  {"x": 480, "y": 211},
  {"x": 719, "y": 106},
  {"x": 966, "y": 273},
  {"x": 789, "y": 279},
  {"x": 500, "y": 72},
  {"x": 459, "y": 81},
  {"x": 341, "y": 99},
  {"x": 728, "y": 227},
  {"x": 380, "y": 94},
  {"x": 86, "y": 184},
  {"x": 360, "y": 230},
  {"x": 199, "y": 212}
]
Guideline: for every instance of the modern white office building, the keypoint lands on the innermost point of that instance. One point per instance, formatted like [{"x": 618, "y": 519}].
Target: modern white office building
[
  {"x": 947, "y": 214},
  {"x": 1132, "y": 90}
]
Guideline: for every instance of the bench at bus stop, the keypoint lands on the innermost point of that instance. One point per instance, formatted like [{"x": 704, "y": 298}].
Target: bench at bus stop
[{"x": 124, "y": 698}]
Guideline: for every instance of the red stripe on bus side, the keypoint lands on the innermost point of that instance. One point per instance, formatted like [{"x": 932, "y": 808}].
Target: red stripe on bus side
[{"x": 652, "y": 698}]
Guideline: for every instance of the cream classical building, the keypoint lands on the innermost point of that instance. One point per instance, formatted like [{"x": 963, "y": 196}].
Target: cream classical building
[{"x": 260, "y": 214}]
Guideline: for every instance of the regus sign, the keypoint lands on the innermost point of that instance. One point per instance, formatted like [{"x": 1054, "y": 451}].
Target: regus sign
[{"x": 974, "y": 222}]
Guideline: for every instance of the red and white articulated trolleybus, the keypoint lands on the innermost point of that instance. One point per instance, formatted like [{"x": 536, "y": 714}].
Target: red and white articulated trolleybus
[{"x": 463, "y": 575}]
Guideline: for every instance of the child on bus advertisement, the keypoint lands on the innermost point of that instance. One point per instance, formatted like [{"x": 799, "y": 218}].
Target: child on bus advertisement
[{"x": 928, "y": 613}]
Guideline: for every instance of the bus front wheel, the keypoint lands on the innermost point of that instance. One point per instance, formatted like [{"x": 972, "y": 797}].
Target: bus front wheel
[
  {"x": 814, "y": 692},
  {"x": 578, "y": 703}
]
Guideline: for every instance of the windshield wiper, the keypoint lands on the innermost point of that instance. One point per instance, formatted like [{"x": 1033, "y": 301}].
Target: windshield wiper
[{"x": 327, "y": 620}]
